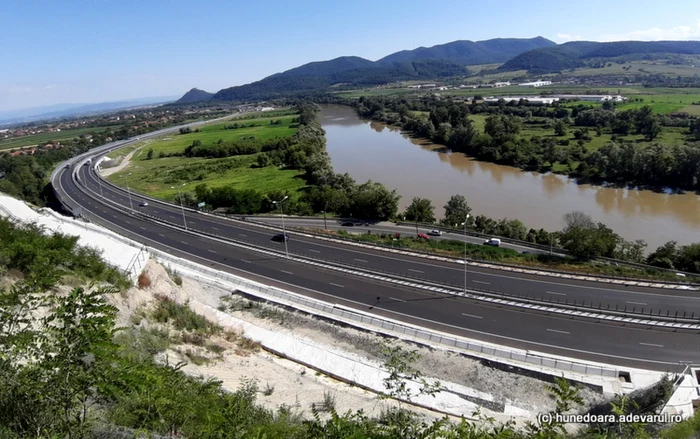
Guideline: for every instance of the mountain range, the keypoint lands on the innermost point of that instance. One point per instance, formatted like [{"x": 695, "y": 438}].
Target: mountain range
[{"x": 536, "y": 55}]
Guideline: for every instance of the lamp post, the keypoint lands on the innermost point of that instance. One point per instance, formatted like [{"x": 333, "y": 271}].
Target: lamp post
[
  {"x": 325, "y": 224},
  {"x": 99, "y": 182},
  {"x": 179, "y": 194},
  {"x": 284, "y": 231},
  {"x": 131, "y": 203},
  {"x": 466, "y": 220}
]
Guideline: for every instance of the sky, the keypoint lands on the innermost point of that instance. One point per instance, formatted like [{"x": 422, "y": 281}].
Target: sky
[{"x": 88, "y": 51}]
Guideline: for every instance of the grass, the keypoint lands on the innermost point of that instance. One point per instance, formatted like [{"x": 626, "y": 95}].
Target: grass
[
  {"x": 182, "y": 317},
  {"x": 669, "y": 135},
  {"x": 43, "y": 138},
  {"x": 641, "y": 67},
  {"x": 158, "y": 176},
  {"x": 454, "y": 248}
]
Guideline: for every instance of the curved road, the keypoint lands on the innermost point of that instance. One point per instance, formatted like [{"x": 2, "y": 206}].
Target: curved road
[
  {"x": 607, "y": 343},
  {"x": 438, "y": 272}
]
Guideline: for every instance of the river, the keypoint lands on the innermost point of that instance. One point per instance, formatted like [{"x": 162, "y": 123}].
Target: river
[{"x": 370, "y": 150}]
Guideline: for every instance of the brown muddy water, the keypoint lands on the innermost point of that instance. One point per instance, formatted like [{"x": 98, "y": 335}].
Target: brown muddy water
[{"x": 416, "y": 168}]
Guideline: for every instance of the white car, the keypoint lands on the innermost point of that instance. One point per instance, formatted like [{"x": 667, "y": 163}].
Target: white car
[
  {"x": 435, "y": 233},
  {"x": 143, "y": 204},
  {"x": 493, "y": 241}
]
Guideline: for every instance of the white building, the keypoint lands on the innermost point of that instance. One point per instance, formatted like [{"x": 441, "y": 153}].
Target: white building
[
  {"x": 501, "y": 84},
  {"x": 594, "y": 98},
  {"x": 535, "y": 84},
  {"x": 530, "y": 99}
]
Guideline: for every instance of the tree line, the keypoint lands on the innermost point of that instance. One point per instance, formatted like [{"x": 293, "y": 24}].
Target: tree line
[{"x": 621, "y": 161}]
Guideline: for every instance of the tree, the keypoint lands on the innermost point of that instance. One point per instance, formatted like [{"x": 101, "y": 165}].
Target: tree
[
  {"x": 584, "y": 239},
  {"x": 647, "y": 123},
  {"x": 399, "y": 365},
  {"x": 559, "y": 128},
  {"x": 374, "y": 201},
  {"x": 694, "y": 128},
  {"x": 421, "y": 210},
  {"x": 456, "y": 211},
  {"x": 664, "y": 256},
  {"x": 264, "y": 160},
  {"x": 149, "y": 155},
  {"x": 502, "y": 128}
]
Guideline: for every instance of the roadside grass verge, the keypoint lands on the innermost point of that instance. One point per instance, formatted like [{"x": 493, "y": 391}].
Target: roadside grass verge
[{"x": 455, "y": 249}]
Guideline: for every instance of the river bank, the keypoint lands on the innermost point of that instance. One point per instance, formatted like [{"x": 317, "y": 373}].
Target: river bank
[{"x": 418, "y": 168}]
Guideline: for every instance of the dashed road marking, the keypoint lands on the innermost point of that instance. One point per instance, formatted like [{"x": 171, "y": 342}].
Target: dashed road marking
[
  {"x": 415, "y": 271},
  {"x": 555, "y": 293},
  {"x": 285, "y": 271},
  {"x": 336, "y": 285},
  {"x": 472, "y": 316},
  {"x": 360, "y": 260},
  {"x": 558, "y": 331},
  {"x": 481, "y": 282},
  {"x": 652, "y": 345},
  {"x": 398, "y": 300}
]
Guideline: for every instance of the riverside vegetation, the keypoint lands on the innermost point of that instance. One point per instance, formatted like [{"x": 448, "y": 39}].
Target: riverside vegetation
[
  {"x": 66, "y": 370},
  {"x": 244, "y": 165}
]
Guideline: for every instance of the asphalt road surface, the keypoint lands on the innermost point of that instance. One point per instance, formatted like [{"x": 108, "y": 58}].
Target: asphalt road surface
[{"x": 618, "y": 345}]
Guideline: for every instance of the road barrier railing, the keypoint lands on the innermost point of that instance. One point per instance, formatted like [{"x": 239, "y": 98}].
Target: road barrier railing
[
  {"x": 649, "y": 317},
  {"x": 488, "y": 263},
  {"x": 365, "y": 321}
]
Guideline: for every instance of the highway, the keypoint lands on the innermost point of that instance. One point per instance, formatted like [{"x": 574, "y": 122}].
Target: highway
[
  {"x": 438, "y": 272},
  {"x": 405, "y": 229},
  {"x": 608, "y": 343}
]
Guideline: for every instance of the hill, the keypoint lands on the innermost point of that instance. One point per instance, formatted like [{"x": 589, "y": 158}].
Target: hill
[
  {"x": 194, "y": 95},
  {"x": 493, "y": 51},
  {"x": 313, "y": 78},
  {"x": 580, "y": 53}
]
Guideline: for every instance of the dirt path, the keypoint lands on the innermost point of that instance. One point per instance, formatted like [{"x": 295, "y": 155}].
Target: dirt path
[{"x": 125, "y": 162}]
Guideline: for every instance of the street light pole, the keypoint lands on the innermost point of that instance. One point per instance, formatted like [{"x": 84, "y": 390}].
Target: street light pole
[
  {"x": 284, "y": 230},
  {"x": 325, "y": 224},
  {"x": 179, "y": 194},
  {"x": 466, "y": 220},
  {"x": 131, "y": 203}
]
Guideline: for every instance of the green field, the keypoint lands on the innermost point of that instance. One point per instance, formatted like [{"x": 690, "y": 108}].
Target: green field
[
  {"x": 669, "y": 135},
  {"x": 640, "y": 67},
  {"x": 43, "y": 138},
  {"x": 157, "y": 175}
]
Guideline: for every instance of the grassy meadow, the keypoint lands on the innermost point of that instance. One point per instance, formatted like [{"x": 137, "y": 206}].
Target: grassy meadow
[
  {"x": 157, "y": 176},
  {"x": 43, "y": 138}
]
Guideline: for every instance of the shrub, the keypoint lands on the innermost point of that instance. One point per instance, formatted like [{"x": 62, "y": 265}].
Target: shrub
[{"x": 144, "y": 281}]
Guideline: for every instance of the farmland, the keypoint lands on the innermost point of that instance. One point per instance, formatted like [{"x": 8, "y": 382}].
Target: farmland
[
  {"x": 43, "y": 138},
  {"x": 166, "y": 169}
]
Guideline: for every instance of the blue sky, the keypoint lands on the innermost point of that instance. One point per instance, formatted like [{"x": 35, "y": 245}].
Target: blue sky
[{"x": 74, "y": 51}]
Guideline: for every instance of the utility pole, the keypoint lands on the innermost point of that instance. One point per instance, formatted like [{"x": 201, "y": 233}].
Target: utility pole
[
  {"x": 466, "y": 220},
  {"x": 284, "y": 230}
]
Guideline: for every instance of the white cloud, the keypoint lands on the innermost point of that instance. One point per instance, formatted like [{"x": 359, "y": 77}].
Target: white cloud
[{"x": 690, "y": 32}]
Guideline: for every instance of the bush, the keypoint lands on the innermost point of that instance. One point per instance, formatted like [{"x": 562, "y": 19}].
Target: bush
[
  {"x": 182, "y": 317},
  {"x": 144, "y": 280}
]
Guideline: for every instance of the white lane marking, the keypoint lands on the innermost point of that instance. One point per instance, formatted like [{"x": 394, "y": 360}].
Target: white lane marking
[
  {"x": 415, "y": 271},
  {"x": 360, "y": 260},
  {"x": 211, "y": 251},
  {"x": 481, "y": 282},
  {"x": 398, "y": 300},
  {"x": 127, "y": 222},
  {"x": 652, "y": 344},
  {"x": 142, "y": 228},
  {"x": 285, "y": 271},
  {"x": 315, "y": 251},
  {"x": 555, "y": 293},
  {"x": 183, "y": 242},
  {"x": 558, "y": 331},
  {"x": 215, "y": 228},
  {"x": 636, "y": 303},
  {"x": 155, "y": 211},
  {"x": 246, "y": 261},
  {"x": 160, "y": 234},
  {"x": 472, "y": 316},
  {"x": 336, "y": 285},
  {"x": 243, "y": 235}
]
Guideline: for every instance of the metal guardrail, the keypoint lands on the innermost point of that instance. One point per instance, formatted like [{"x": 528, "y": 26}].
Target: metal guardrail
[
  {"x": 460, "y": 232},
  {"x": 361, "y": 319},
  {"x": 489, "y": 262},
  {"x": 549, "y": 305}
]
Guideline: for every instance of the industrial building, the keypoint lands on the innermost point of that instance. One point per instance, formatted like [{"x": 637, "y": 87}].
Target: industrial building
[
  {"x": 530, "y": 99},
  {"x": 535, "y": 84}
]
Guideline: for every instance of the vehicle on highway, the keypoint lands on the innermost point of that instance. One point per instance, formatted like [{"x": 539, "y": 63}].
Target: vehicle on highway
[
  {"x": 280, "y": 237},
  {"x": 495, "y": 242},
  {"x": 435, "y": 233},
  {"x": 143, "y": 204},
  {"x": 423, "y": 236},
  {"x": 347, "y": 224}
]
